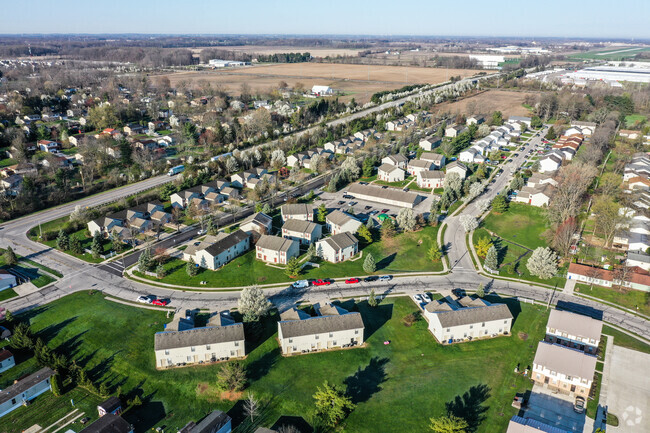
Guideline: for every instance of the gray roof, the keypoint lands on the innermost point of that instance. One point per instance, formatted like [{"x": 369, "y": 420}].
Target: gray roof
[
  {"x": 297, "y": 209},
  {"x": 320, "y": 325},
  {"x": 397, "y": 158},
  {"x": 575, "y": 324},
  {"x": 198, "y": 336},
  {"x": 339, "y": 218},
  {"x": 275, "y": 243},
  {"x": 528, "y": 425},
  {"x": 431, "y": 174},
  {"x": 565, "y": 360},
  {"x": 258, "y": 218},
  {"x": 456, "y": 164},
  {"x": 389, "y": 168},
  {"x": 393, "y": 194},
  {"x": 467, "y": 316},
  {"x": 25, "y": 384},
  {"x": 340, "y": 241},
  {"x": 109, "y": 423},
  {"x": 300, "y": 226},
  {"x": 639, "y": 257},
  {"x": 228, "y": 242},
  {"x": 420, "y": 163},
  {"x": 210, "y": 424},
  {"x": 430, "y": 156},
  {"x": 110, "y": 404}
]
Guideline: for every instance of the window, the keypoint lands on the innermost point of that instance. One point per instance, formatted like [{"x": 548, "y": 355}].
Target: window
[
  {"x": 356, "y": 332},
  {"x": 505, "y": 321},
  {"x": 331, "y": 334},
  {"x": 232, "y": 353},
  {"x": 448, "y": 329},
  {"x": 13, "y": 401},
  {"x": 166, "y": 352},
  {"x": 291, "y": 340},
  {"x": 193, "y": 349},
  {"x": 483, "y": 324},
  {"x": 568, "y": 377},
  {"x": 317, "y": 337},
  {"x": 189, "y": 359},
  {"x": 553, "y": 373},
  {"x": 236, "y": 343},
  {"x": 471, "y": 326},
  {"x": 207, "y": 347}
]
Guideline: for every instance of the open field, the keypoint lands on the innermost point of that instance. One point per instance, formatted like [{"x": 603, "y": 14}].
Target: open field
[
  {"x": 508, "y": 102},
  {"x": 265, "y": 49},
  {"x": 612, "y": 53},
  {"x": 356, "y": 81},
  {"x": 413, "y": 375}
]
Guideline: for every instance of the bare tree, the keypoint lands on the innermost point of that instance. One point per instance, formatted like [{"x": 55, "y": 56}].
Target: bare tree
[
  {"x": 573, "y": 181},
  {"x": 563, "y": 236},
  {"x": 251, "y": 406},
  {"x": 608, "y": 217}
]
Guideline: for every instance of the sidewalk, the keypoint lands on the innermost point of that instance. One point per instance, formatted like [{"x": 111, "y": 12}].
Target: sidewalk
[{"x": 568, "y": 287}]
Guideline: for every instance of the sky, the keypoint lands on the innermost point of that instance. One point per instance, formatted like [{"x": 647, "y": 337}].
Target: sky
[{"x": 539, "y": 18}]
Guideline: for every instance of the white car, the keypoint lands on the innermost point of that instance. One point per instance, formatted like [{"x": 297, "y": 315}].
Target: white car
[
  {"x": 302, "y": 284},
  {"x": 144, "y": 300},
  {"x": 385, "y": 278},
  {"x": 201, "y": 232},
  {"x": 426, "y": 298},
  {"x": 418, "y": 299}
]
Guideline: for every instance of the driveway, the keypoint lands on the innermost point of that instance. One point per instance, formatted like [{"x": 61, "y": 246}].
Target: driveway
[
  {"x": 627, "y": 394},
  {"x": 554, "y": 409}
]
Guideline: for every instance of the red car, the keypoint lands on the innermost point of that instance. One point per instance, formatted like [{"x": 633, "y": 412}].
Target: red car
[
  {"x": 351, "y": 281},
  {"x": 161, "y": 302},
  {"x": 322, "y": 283}
]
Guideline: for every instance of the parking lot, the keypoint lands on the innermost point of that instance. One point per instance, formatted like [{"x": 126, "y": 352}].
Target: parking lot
[
  {"x": 364, "y": 208},
  {"x": 554, "y": 409}
]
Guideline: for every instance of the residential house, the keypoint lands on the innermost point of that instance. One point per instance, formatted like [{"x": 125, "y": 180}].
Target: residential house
[
  {"x": 296, "y": 158},
  {"x": 457, "y": 167},
  {"x": 215, "y": 422},
  {"x": 221, "y": 339},
  {"x": 384, "y": 194},
  {"x": 109, "y": 424},
  {"x": 564, "y": 370},
  {"x": 455, "y": 130},
  {"x": 539, "y": 195},
  {"x": 551, "y": 161},
  {"x": 519, "y": 119},
  {"x": 637, "y": 279},
  {"x": 574, "y": 330},
  {"x": 587, "y": 128},
  {"x": 133, "y": 129},
  {"x": 390, "y": 173},
  {"x": 12, "y": 184},
  {"x": 58, "y": 161},
  {"x": 48, "y": 146},
  {"x": 539, "y": 179},
  {"x": 431, "y": 179},
  {"x": 337, "y": 248},
  {"x": 160, "y": 217},
  {"x": 112, "y": 406},
  {"x": 25, "y": 390},
  {"x": 274, "y": 249},
  {"x": 297, "y": 211},
  {"x": 640, "y": 260},
  {"x": 257, "y": 224},
  {"x": 431, "y": 142},
  {"x": 224, "y": 250},
  {"x": 305, "y": 232},
  {"x": 336, "y": 328},
  {"x": 436, "y": 159},
  {"x": 471, "y": 155},
  {"x": 466, "y": 319},
  {"x": 475, "y": 120},
  {"x": 417, "y": 165},
  {"x": 184, "y": 198},
  {"x": 6, "y": 360},
  {"x": 341, "y": 222},
  {"x": 398, "y": 160},
  {"x": 106, "y": 224},
  {"x": 638, "y": 183}
]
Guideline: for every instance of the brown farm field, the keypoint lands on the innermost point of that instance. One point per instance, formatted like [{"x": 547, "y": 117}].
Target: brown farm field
[
  {"x": 355, "y": 81},
  {"x": 508, "y": 102},
  {"x": 263, "y": 49}
]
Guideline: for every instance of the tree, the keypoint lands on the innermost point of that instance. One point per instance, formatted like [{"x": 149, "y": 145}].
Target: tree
[
  {"x": 9, "y": 316},
  {"x": 364, "y": 233},
  {"x": 406, "y": 220},
  {"x": 536, "y": 122},
  {"x": 22, "y": 337},
  {"x": 434, "y": 253},
  {"x": 387, "y": 228},
  {"x": 517, "y": 183},
  {"x": 563, "y": 236},
  {"x": 551, "y": 134},
  {"x": 468, "y": 222},
  {"x": 480, "y": 291},
  {"x": 492, "y": 259},
  {"x": 453, "y": 183},
  {"x": 10, "y": 257},
  {"x": 322, "y": 213},
  {"x": 372, "y": 298},
  {"x": 369, "y": 264},
  {"x": 499, "y": 204},
  {"x": 368, "y": 167},
  {"x": 160, "y": 271},
  {"x": 292, "y": 269},
  {"x": 311, "y": 252},
  {"x": 610, "y": 184},
  {"x": 145, "y": 261},
  {"x": 278, "y": 159},
  {"x": 607, "y": 219},
  {"x": 63, "y": 241},
  {"x": 496, "y": 119},
  {"x": 191, "y": 268},
  {"x": 104, "y": 391},
  {"x": 253, "y": 303},
  {"x": 251, "y": 406},
  {"x": 449, "y": 424},
  {"x": 75, "y": 245},
  {"x": 475, "y": 189},
  {"x": 231, "y": 377},
  {"x": 55, "y": 383},
  {"x": 102, "y": 117},
  {"x": 96, "y": 246},
  {"x": 573, "y": 181},
  {"x": 483, "y": 246},
  {"x": 332, "y": 405},
  {"x": 542, "y": 263}
]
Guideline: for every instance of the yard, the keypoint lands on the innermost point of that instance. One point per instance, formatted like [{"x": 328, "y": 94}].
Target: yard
[
  {"x": 413, "y": 375},
  {"x": 403, "y": 253},
  {"x": 521, "y": 224},
  {"x": 632, "y": 299}
]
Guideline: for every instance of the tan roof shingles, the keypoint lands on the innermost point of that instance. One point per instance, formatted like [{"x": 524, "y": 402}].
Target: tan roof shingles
[
  {"x": 575, "y": 324},
  {"x": 321, "y": 325},
  {"x": 565, "y": 360},
  {"x": 198, "y": 336}
]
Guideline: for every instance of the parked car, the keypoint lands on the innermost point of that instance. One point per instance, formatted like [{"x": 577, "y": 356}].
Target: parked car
[
  {"x": 426, "y": 298},
  {"x": 201, "y": 232},
  {"x": 347, "y": 197},
  {"x": 341, "y": 202},
  {"x": 320, "y": 282},
  {"x": 351, "y": 281},
  {"x": 459, "y": 293},
  {"x": 352, "y": 203},
  {"x": 145, "y": 299},
  {"x": 371, "y": 278},
  {"x": 418, "y": 299},
  {"x": 160, "y": 302},
  {"x": 368, "y": 207},
  {"x": 385, "y": 278},
  {"x": 384, "y": 210},
  {"x": 302, "y": 284},
  {"x": 363, "y": 183},
  {"x": 374, "y": 212},
  {"x": 579, "y": 405}
]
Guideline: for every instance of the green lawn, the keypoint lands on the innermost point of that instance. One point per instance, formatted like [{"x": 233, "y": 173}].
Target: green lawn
[
  {"x": 624, "y": 340},
  {"x": 632, "y": 299},
  {"x": 86, "y": 242},
  {"x": 7, "y": 294},
  {"x": 400, "y": 254},
  {"x": 7, "y": 162},
  {"x": 400, "y": 184},
  {"x": 521, "y": 224},
  {"x": 29, "y": 269},
  {"x": 413, "y": 376},
  {"x": 632, "y": 119}
]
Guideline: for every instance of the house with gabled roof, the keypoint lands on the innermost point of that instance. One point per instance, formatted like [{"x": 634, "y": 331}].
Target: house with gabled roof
[
  {"x": 338, "y": 248},
  {"x": 398, "y": 160},
  {"x": 430, "y": 179},
  {"x": 457, "y": 167},
  {"x": 25, "y": 390},
  {"x": 305, "y": 232},
  {"x": 297, "y": 211},
  {"x": 564, "y": 370},
  {"x": 223, "y": 250},
  {"x": 573, "y": 330},
  {"x": 431, "y": 142},
  {"x": 339, "y": 222},
  {"x": 259, "y": 223},
  {"x": 436, "y": 159},
  {"x": 390, "y": 173},
  {"x": 274, "y": 249}
]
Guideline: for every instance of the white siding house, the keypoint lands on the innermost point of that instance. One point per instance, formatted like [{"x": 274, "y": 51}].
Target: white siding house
[
  {"x": 25, "y": 390},
  {"x": 337, "y": 248}
]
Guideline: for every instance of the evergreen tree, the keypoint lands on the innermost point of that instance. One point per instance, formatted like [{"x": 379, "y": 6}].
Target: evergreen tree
[
  {"x": 480, "y": 291},
  {"x": 63, "y": 241},
  {"x": 311, "y": 252},
  {"x": 103, "y": 390},
  {"x": 96, "y": 246},
  {"x": 322, "y": 213},
  {"x": 75, "y": 245},
  {"x": 369, "y": 264},
  {"x": 145, "y": 261},
  {"x": 387, "y": 228},
  {"x": 372, "y": 298},
  {"x": 191, "y": 268},
  {"x": 434, "y": 252},
  {"x": 492, "y": 259},
  {"x": 10, "y": 257},
  {"x": 499, "y": 204},
  {"x": 55, "y": 383},
  {"x": 161, "y": 271},
  {"x": 364, "y": 233},
  {"x": 293, "y": 268}
]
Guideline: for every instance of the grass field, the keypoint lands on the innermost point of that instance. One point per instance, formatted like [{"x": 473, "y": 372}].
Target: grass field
[
  {"x": 413, "y": 376},
  {"x": 7, "y": 294},
  {"x": 624, "y": 340},
  {"x": 508, "y": 102},
  {"x": 356, "y": 81},
  {"x": 632, "y": 299},
  {"x": 612, "y": 53},
  {"x": 633, "y": 119},
  {"x": 400, "y": 254}
]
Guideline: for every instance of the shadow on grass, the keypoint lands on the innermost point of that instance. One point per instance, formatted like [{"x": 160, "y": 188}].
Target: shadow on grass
[
  {"x": 51, "y": 331},
  {"x": 298, "y": 423},
  {"x": 374, "y": 317},
  {"x": 98, "y": 371},
  {"x": 260, "y": 367},
  {"x": 386, "y": 261},
  {"x": 244, "y": 422},
  {"x": 513, "y": 304},
  {"x": 470, "y": 406},
  {"x": 366, "y": 382},
  {"x": 144, "y": 417},
  {"x": 70, "y": 347}
]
